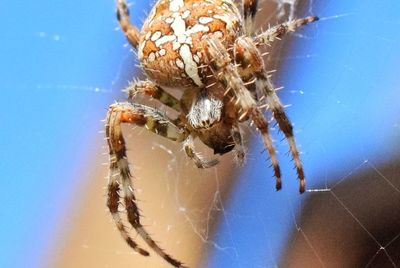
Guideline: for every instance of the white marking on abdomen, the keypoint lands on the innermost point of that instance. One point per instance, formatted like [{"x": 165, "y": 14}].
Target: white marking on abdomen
[
  {"x": 151, "y": 57},
  {"x": 205, "y": 20},
  {"x": 191, "y": 68},
  {"x": 165, "y": 39},
  {"x": 156, "y": 36},
  {"x": 180, "y": 64},
  {"x": 175, "y": 5},
  {"x": 228, "y": 19}
]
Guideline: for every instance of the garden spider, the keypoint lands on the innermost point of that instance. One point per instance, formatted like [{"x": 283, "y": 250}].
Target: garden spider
[{"x": 209, "y": 50}]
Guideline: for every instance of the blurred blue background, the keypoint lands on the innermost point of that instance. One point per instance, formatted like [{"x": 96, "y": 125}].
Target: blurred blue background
[
  {"x": 58, "y": 73},
  {"x": 341, "y": 76},
  {"x": 61, "y": 68}
]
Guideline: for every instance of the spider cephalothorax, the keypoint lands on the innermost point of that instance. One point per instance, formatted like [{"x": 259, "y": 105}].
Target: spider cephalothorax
[{"x": 207, "y": 49}]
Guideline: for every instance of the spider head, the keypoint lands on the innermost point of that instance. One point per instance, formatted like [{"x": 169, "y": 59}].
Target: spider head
[{"x": 205, "y": 112}]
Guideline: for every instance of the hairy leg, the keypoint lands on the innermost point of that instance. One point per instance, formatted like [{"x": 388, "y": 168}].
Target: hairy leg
[
  {"x": 196, "y": 157},
  {"x": 284, "y": 124},
  {"x": 113, "y": 205},
  {"x": 264, "y": 84},
  {"x": 226, "y": 72},
  {"x": 276, "y": 32},
  {"x": 131, "y": 32},
  {"x": 239, "y": 148},
  {"x": 150, "y": 89},
  {"x": 262, "y": 124},
  {"x": 249, "y": 15},
  {"x": 144, "y": 116}
]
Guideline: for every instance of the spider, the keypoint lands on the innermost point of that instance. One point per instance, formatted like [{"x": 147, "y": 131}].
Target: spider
[{"x": 208, "y": 50}]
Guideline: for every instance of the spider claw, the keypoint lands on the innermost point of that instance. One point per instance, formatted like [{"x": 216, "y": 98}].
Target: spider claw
[
  {"x": 144, "y": 252},
  {"x": 302, "y": 186},
  {"x": 278, "y": 185}
]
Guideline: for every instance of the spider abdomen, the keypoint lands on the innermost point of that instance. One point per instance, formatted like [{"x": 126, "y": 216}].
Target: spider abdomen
[{"x": 170, "y": 47}]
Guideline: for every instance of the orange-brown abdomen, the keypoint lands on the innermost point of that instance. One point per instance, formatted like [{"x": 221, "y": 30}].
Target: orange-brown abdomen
[{"x": 170, "y": 47}]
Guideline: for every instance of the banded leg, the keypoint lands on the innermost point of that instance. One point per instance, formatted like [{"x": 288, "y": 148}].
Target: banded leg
[
  {"x": 113, "y": 204},
  {"x": 280, "y": 30},
  {"x": 149, "y": 89},
  {"x": 262, "y": 124},
  {"x": 131, "y": 32},
  {"x": 239, "y": 148},
  {"x": 225, "y": 71},
  {"x": 284, "y": 124},
  {"x": 264, "y": 84},
  {"x": 119, "y": 168},
  {"x": 249, "y": 15},
  {"x": 197, "y": 158}
]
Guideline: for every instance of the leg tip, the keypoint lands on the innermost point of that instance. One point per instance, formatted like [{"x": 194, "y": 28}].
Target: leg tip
[
  {"x": 278, "y": 186},
  {"x": 302, "y": 186},
  {"x": 144, "y": 252}
]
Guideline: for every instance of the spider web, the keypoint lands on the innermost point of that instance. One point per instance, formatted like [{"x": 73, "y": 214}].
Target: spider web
[
  {"x": 339, "y": 77},
  {"x": 348, "y": 217}
]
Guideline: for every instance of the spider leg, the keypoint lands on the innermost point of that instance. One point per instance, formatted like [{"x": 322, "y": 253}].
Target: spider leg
[
  {"x": 276, "y": 32},
  {"x": 226, "y": 72},
  {"x": 131, "y": 32},
  {"x": 197, "y": 158},
  {"x": 239, "y": 148},
  {"x": 262, "y": 124},
  {"x": 113, "y": 204},
  {"x": 150, "y": 89},
  {"x": 249, "y": 14},
  {"x": 264, "y": 84},
  {"x": 119, "y": 168},
  {"x": 284, "y": 124}
]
